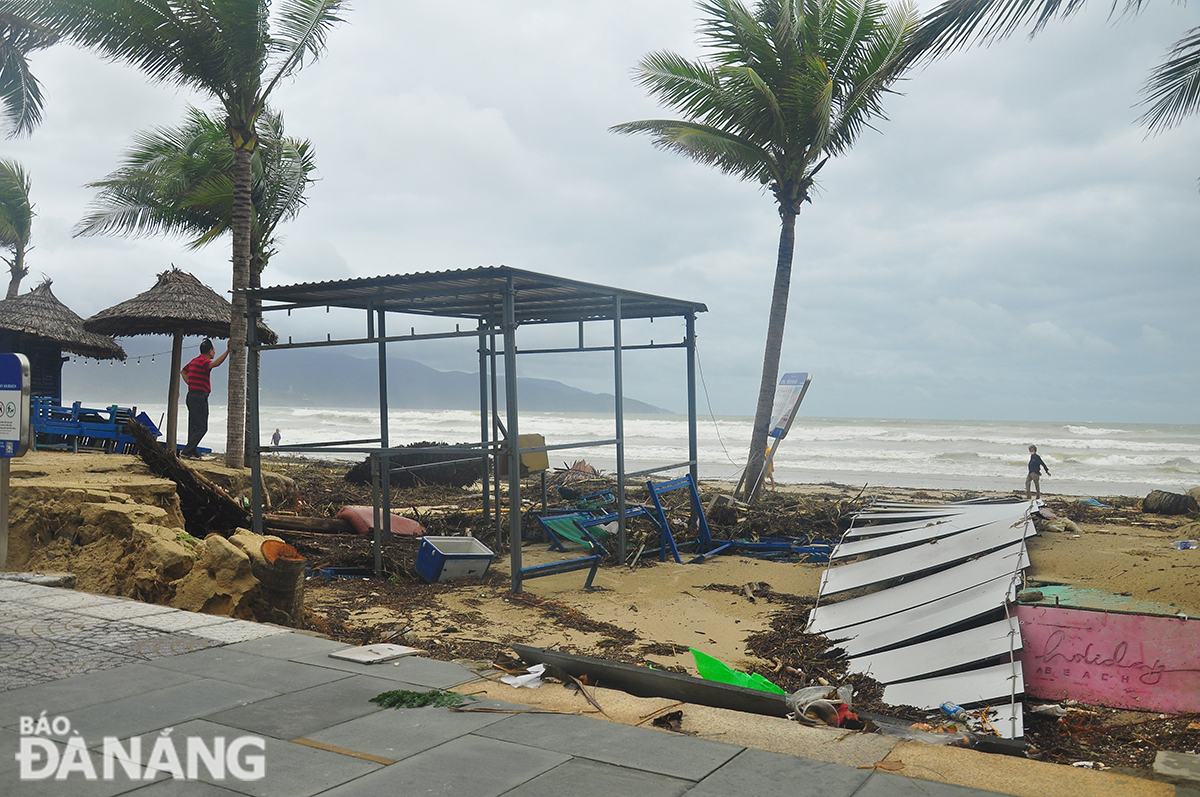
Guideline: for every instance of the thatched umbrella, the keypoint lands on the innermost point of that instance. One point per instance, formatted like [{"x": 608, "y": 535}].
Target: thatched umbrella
[
  {"x": 39, "y": 314},
  {"x": 177, "y": 305}
]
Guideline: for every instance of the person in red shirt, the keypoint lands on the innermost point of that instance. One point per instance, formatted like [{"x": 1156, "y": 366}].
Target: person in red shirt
[{"x": 196, "y": 375}]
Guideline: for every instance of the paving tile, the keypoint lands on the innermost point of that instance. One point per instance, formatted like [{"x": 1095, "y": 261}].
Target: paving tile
[
  {"x": 429, "y": 673},
  {"x": 19, "y": 609},
  {"x": 608, "y": 742},
  {"x": 44, "y": 623},
  {"x": 134, "y": 640},
  {"x": 400, "y": 733},
  {"x": 183, "y": 788},
  {"x": 70, "y": 599},
  {"x": 121, "y": 610},
  {"x": 227, "y": 664},
  {"x": 581, "y": 778},
  {"x": 287, "y": 646},
  {"x": 171, "y": 705},
  {"x": 773, "y": 775},
  {"x": 470, "y": 766},
  {"x": 883, "y": 784},
  {"x": 177, "y": 621},
  {"x": 11, "y": 784},
  {"x": 289, "y": 770},
  {"x": 81, "y": 691},
  {"x": 307, "y": 711},
  {"x": 238, "y": 631},
  {"x": 11, "y": 591},
  {"x": 68, "y": 660}
]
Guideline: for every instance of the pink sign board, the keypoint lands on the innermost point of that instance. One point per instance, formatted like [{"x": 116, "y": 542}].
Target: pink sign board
[{"x": 1136, "y": 661}]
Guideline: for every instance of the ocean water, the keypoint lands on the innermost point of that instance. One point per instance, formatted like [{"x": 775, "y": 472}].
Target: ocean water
[{"x": 1084, "y": 458}]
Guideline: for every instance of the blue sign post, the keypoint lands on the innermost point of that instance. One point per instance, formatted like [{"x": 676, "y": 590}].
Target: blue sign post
[{"x": 14, "y": 430}]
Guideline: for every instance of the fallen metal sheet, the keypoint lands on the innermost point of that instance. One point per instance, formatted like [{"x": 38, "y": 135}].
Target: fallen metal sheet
[
  {"x": 827, "y": 618},
  {"x": 944, "y": 612},
  {"x": 972, "y": 518},
  {"x": 1142, "y": 662},
  {"x": 922, "y": 557},
  {"x": 907, "y": 539},
  {"x": 1069, "y": 597},
  {"x": 1000, "y": 638},
  {"x": 976, "y": 687},
  {"x": 1009, "y": 720}
]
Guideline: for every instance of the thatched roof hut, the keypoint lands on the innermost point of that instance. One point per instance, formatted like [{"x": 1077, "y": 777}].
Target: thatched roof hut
[
  {"x": 178, "y": 301},
  {"x": 39, "y": 314},
  {"x": 41, "y": 327},
  {"x": 177, "y": 305}
]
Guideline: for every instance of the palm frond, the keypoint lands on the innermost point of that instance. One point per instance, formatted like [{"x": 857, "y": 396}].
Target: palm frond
[
  {"x": 16, "y": 211},
  {"x": 302, "y": 28},
  {"x": 20, "y": 92},
  {"x": 1173, "y": 89}
]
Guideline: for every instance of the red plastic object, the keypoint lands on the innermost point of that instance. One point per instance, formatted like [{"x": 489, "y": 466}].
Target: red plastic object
[{"x": 362, "y": 518}]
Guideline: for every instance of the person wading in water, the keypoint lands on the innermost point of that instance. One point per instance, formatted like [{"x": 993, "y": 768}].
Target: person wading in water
[{"x": 196, "y": 375}]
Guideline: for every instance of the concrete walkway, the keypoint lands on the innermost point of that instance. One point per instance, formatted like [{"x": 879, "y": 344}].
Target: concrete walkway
[{"x": 290, "y": 721}]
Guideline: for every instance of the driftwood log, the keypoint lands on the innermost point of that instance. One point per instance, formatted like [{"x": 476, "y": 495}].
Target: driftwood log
[
  {"x": 206, "y": 507},
  {"x": 456, "y": 466},
  {"x": 315, "y": 525}
]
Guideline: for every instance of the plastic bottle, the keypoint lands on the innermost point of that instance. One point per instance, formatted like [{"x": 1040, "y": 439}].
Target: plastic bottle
[
  {"x": 1185, "y": 545},
  {"x": 955, "y": 711}
]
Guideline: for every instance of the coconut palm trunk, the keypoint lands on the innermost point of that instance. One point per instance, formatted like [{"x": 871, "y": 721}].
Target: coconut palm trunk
[
  {"x": 235, "y": 435},
  {"x": 770, "y": 370}
]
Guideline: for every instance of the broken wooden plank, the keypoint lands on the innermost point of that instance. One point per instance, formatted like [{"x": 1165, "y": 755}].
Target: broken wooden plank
[
  {"x": 827, "y": 618},
  {"x": 943, "y": 653},
  {"x": 315, "y": 525}
]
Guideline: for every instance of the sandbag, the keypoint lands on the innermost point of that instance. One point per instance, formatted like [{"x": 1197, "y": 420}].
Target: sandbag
[
  {"x": 362, "y": 518},
  {"x": 1161, "y": 502}
]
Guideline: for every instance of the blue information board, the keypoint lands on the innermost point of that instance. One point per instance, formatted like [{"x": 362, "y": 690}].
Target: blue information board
[{"x": 14, "y": 405}]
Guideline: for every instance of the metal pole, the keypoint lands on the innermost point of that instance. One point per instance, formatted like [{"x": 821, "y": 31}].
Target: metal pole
[
  {"x": 5, "y": 465},
  {"x": 495, "y": 435},
  {"x": 693, "y": 445},
  {"x": 483, "y": 421},
  {"x": 618, "y": 391},
  {"x": 514, "y": 446},
  {"x": 385, "y": 486},
  {"x": 253, "y": 431}
]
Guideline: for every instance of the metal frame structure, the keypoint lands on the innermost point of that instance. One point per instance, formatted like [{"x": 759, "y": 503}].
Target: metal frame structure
[{"x": 499, "y": 300}]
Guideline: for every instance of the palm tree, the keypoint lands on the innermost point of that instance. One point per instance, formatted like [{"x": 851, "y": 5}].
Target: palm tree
[
  {"x": 1171, "y": 93},
  {"x": 180, "y": 181},
  {"x": 20, "y": 92},
  {"x": 237, "y": 51},
  {"x": 787, "y": 86},
  {"x": 16, "y": 221}
]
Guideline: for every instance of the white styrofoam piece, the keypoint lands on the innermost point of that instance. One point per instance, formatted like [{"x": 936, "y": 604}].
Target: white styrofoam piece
[
  {"x": 987, "y": 685},
  {"x": 907, "y": 539},
  {"x": 944, "y": 612},
  {"x": 943, "y": 653},
  {"x": 373, "y": 654},
  {"x": 833, "y": 616},
  {"x": 922, "y": 557}
]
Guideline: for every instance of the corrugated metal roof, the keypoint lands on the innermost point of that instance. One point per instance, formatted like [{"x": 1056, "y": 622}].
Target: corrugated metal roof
[{"x": 478, "y": 293}]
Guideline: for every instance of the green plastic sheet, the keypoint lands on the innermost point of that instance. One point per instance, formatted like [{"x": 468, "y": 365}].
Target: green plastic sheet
[{"x": 711, "y": 669}]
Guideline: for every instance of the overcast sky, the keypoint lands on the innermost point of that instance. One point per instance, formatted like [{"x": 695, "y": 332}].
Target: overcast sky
[{"x": 1008, "y": 245}]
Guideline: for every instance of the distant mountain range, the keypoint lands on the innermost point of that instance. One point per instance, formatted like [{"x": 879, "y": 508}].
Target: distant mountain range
[{"x": 327, "y": 378}]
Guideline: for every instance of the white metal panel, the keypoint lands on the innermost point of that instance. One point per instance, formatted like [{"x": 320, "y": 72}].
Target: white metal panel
[
  {"x": 988, "y": 685},
  {"x": 941, "y": 613},
  {"x": 944, "y": 653},
  {"x": 1009, "y": 720},
  {"x": 906, "y": 539},
  {"x": 973, "y": 516},
  {"x": 828, "y": 618},
  {"x": 922, "y": 557}
]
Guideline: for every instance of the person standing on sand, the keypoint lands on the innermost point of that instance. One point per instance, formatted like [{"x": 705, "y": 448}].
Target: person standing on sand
[
  {"x": 1036, "y": 465},
  {"x": 196, "y": 374},
  {"x": 275, "y": 438}
]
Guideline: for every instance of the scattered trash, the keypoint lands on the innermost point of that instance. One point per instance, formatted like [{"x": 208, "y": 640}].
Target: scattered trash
[
  {"x": 672, "y": 721},
  {"x": 711, "y": 669},
  {"x": 809, "y": 706},
  {"x": 531, "y": 679},
  {"x": 1095, "y": 503},
  {"x": 956, "y": 712},
  {"x": 1049, "y": 709},
  {"x": 1030, "y": 595},
  {"x": 1185, "y": 545},
  {"x": 1088, "y": 765},
  {"x": 404, "y": 698},
  {"x": 886, "y": 766}
]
